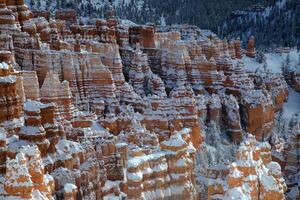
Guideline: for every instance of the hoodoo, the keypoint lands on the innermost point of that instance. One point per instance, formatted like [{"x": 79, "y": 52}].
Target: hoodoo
[{"x": 96, "y": 109}]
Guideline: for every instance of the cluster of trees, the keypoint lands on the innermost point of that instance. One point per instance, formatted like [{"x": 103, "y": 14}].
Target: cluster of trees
[
  {"x": 207, "y": 14},
  {"x": 278, "y": 25}
]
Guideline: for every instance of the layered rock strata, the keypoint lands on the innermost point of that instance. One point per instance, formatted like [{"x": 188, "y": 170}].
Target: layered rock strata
[
  {"x": 119, "y": 110},
  {"x": 254, "y": 175}
]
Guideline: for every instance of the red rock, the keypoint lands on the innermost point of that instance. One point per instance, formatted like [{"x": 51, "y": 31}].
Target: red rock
[
  {"x": 32, "y": 130},
  {"x": 136, "y": 74},
  {"x": 8, "y": 23},
  {"x": 35, "y": 25},
  {"x": 214, "y": 109},
  {"x": 185, "y": 105},
  {"x": 251, "y": 52},
  {"x": 115, "y": 101},
  {"x": 31, "y": 85},
  {"x": 70, "y": 191},
  {"x": 41, "y": 13},
  {"x": 141, "y": 176},
  {"x": 233, "y": 119},
  {"x": 157, "y": 86},
  {"x": 237, "y": 47},
  {"x": 17, "y": 172},
  {"x": 21, "y": 11},
  {"x": 205, "y": 72},
  {"x": 236, "y": 78},
  {"x": 175, "y": 60},
  {"x": 275, "y": 85},
  {"x": 143, "y": 35},
  {"x": 11, "y": 102},
  {"x": 51, "y": 122},
  {"x": 53, "y": 91},
  {"x": 85, "y": 31},
  {"x": 240, "y": 174},
  {"x": 231, "y": 49},
  {"x": 3, "y": 138},
  {"x": 68, "y": 15},
  {"x": 25, "y": 173},
  {"x": 258, "y": 113}
]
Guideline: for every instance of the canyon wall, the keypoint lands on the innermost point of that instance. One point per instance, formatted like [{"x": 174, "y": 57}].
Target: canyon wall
[{"x": 121, "y": 110}]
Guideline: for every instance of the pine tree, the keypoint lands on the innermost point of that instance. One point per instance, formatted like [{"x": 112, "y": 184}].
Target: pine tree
[{"x": 32, "y": 3}]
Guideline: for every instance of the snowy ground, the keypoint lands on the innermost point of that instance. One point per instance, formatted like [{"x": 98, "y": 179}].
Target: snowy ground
[
  {"x": 274, "y": 63},
  {"x": 292, "y": 106}
]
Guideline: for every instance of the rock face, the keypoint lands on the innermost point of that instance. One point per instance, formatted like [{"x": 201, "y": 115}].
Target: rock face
[
  {"x": 25, "y": 177},
  {"x": 30, "y": 85},
  {"x": 291, "y": 73},
  {"x": 237, "y": 48},
  {"x": 267, "y": 80},
  {"x": 172, "y": 168},
  {"x": 68, "y": 15},
  {"x": 251, "y": 52},
  {"x": 119, "y": 110},
  {"x": 293, "y": 78},
  {"x": 233, "y": 118},
  {"x": 11, "y": 99},
  {"x": 286, "y": 153},
  {"x": 254, "y": 175},
  {"x": 53, "y": 91},
  {"x": 259, "y": 113}
]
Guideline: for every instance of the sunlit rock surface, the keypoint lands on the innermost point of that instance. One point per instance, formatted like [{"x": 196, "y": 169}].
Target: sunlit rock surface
[{"x": 112, "y": 109}]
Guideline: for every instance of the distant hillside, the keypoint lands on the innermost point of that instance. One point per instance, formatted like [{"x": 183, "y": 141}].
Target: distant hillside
[
  {"x": 275, "y": 22},
  {"x": 278, "y": 25},
  {"x": 207, "y": 14}
]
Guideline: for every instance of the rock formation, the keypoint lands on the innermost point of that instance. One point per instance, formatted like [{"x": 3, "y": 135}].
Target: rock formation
[
  {"x": 233, "y": 118},
  {"x": 291, "y": 73},
  {"x": 172, "y": 168},
  {"x": 237, "y": 47},
  {"x": 11, "y": 99},
  {"x": 104, "y": 109},
  {"x": 258, "y": 113},
  {"x": 286, "y": 153},
  {"x": 251, "y": 52},
  {"x": 25, "y": 176},
  {"x": 254, "y": 175}
]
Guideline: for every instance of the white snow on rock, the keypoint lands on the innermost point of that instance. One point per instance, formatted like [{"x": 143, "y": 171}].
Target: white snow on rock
[
  {"x": 127, "y": 23},
  {"x": 236, "y": 194},
  {"x": 68, "y": 146},
  {"x": 32, "y": 130},
  {"x": 8, "y": 79},
  {"x": 2, "y": 135},
  {"x": 138, "y": 176},
  {"x": 69, "y": 188},
  {"x": 4, "y": 65},
  {"x": 32, "y": 106},
  {"x": 175, "y": 141},
  {"x": 294, "y": 193},
  {"x": 256, "y": 97},
  {"x": 136, "y": 161},
  {"x": 269, "y": 182},
  {"x": 274, "y": 61},
  {"x": 292, "y": 106}
]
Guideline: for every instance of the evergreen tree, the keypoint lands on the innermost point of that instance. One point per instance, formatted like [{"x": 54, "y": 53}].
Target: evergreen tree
[{"x": 277, "y": 25}]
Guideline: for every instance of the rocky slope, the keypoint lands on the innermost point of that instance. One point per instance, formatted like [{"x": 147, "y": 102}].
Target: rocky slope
[{"x": 125, "y": 111}]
